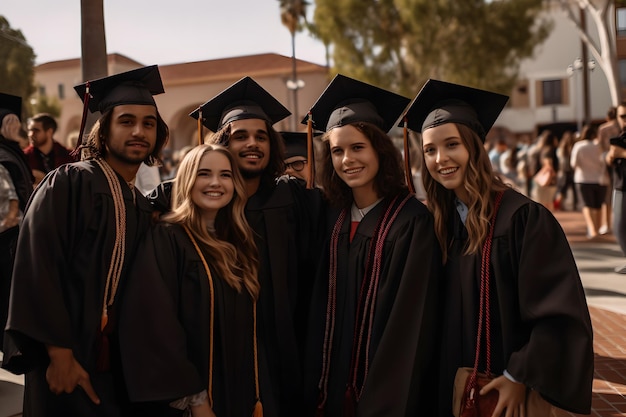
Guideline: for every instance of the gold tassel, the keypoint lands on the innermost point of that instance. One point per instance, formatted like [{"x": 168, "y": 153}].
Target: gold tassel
[
  {"x": 200, "y": 141},
  {"x": 309, "y": 152},
  {"x": 407, "y": 160},
  {"x": 258, "y": 409}
]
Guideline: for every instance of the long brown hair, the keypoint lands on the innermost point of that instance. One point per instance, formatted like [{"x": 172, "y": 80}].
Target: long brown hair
[
  {"x": 481, "y": 185},
  {"x": 389, "y": 180},
  {"x": 232, "y": 250},
  {"x": 93, "y": 147}
]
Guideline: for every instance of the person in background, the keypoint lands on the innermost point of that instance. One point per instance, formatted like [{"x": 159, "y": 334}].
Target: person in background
[
  {"x": 78, "y": 236},
  {"x": 374, "y": 306},
  {"x": 565, "y": 175},
  {"x": 296, "y": 155},
  {"x": 544, "y": 190},
  {"x": 616, "y": 161},
  {"x": 494, "y": 237},
  {"x": 44, "y": 153},
  {"x": 200, "y": 263},
  {"x": 16, "y": 186},
  {"x": 590, "y": 176}
]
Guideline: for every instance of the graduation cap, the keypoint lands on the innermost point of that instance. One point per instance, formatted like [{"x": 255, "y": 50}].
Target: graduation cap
[
  {"x": 347, "y": 100},
  {"x": 295, "y": 144},
  {"x": 137, "y": 86},
  {"x": 10, "y": 104},
  {"x": 440, "y": 102},
  {"x": 243, "y": 100}
]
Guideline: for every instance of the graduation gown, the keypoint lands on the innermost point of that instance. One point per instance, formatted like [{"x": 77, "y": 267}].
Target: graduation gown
[
  {"x": 13, "y": 159},
  {"x": 63, "y": 256},
  {"x": 403, "y": 342},
  {"x": 166, "y": 335},
  {"x": 285, "y": 218},
  {"x": 540, "y": 325}
]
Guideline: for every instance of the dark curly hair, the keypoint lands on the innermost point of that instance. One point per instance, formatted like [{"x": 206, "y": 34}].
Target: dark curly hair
[
  {"x": 276, "y": 165},
  {"x": 389, "y": 180},
  {"x": 94, "y": 145}
]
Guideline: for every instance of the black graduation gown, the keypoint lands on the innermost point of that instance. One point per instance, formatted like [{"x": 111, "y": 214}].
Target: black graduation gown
[
  {"x": 13, "y": 159},
  {"x": 165, "y": 335},
  {"x": 540, "y": 325},
  {"x": 403, "y": 344},
  {"x": 285, "y": 218},
  {"x": 63, "y": 256}
]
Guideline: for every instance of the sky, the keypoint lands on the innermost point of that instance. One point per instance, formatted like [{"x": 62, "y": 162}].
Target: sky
[{"x": 162, "y": 31}]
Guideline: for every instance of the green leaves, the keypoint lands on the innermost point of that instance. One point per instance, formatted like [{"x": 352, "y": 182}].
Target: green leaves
[{"x": 399, "y": 44}]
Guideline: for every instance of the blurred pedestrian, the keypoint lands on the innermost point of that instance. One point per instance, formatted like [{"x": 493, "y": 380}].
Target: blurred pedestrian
[
  {"x": 590, "y": 176},
  {"x": 44, "y": 153},
  {"x": 616, "y": 160},
  {"x": 565, "y": 175},
  {"x": 16, "y": 186}
]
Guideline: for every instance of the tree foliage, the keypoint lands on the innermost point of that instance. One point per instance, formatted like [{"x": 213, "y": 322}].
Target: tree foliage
[
  {"x": 17, "y": 60},
  {"x": 399, "y": 44}
]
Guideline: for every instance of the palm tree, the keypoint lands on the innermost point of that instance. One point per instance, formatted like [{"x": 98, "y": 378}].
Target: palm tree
[
  {"x": 93, "y": 40},
  {"x": 290, "y": 13},
  {"x": 93, "y": 62}
]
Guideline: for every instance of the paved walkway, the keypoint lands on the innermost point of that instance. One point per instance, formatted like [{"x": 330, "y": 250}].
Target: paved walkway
[{"x": 606, "y": 296}]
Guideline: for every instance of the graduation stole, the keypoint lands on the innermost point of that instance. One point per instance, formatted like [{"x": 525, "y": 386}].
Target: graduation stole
[
  {"x": 258, "y": 407},
  {"x": 365, "y": 309},
  {"x": 115, "y": 267}
]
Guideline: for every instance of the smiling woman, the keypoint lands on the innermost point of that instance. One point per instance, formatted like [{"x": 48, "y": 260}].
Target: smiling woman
[
  {"x": 375, "y": 294},
  {"x": 493, "y": 237},
  {"x": 201, "y": 266}
]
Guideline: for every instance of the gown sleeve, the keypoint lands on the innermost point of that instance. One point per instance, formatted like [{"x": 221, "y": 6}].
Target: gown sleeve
[
  {"x": 153, "y": 340},
  {"x": 558, "y": 358}
]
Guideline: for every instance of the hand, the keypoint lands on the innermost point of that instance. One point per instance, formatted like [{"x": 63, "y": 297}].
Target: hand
[
  {"x": 9, "y": 221},
  {"x": 65, "y": 373},
  {"x": 202, "y": 410},
  {"x": 11, "y": 127},
  {"x": 511, "y": 397}
]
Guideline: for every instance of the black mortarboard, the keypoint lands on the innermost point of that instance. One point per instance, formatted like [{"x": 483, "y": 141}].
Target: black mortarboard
[
  {"x": 347, "y": 100},
  {"x": 440, "y": 102},
  {"x": 137, "y": 86},
  {"x": 243, "y": 100},
  {"x": 132, "y": 87},
  {"x": 295, "y": 144},
  {"x": 10, "y": 104}
]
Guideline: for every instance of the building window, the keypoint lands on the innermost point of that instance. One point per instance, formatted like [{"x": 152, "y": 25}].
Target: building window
[
  {"x": 61, "y": 91},
  {"x": 42, "y": 90},
  {"x": 551, "y": 92},
  {"x": 621, "y": 21}
]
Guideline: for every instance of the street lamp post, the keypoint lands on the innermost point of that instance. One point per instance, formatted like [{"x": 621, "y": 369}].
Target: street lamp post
[{"x": 575, "y": 69}]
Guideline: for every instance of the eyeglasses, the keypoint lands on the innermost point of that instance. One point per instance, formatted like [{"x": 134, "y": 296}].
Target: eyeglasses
[{"x": 296, "y": 165}]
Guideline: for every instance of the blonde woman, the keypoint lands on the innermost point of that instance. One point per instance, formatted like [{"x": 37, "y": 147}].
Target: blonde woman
[{"x": 188, "y": 339}]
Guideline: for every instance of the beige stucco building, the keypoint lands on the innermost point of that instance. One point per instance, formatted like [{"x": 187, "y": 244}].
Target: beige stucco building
[{"x": 187, "y": 86}]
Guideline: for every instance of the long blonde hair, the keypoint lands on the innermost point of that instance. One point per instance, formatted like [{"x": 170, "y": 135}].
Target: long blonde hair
[
  {"x": 232, "y": 250},
  {"x": 481, "y": 185}
]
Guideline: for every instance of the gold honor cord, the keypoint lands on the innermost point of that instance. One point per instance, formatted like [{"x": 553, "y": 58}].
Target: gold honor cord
[
  {"x": 407, "y": 159},
  {"x": 119, "y": 247},
  {"x": 258, "y": 408}
]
